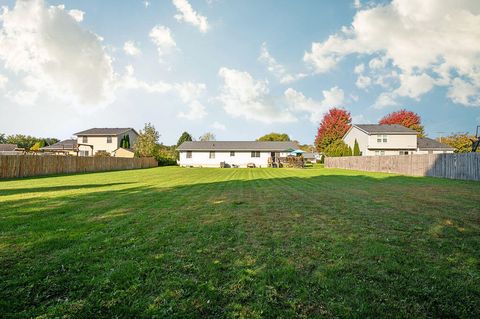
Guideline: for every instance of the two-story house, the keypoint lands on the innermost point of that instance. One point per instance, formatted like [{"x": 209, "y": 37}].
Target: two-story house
[
  {"x": 104, "y": 139},
  {"x": 391, "y": 139}
]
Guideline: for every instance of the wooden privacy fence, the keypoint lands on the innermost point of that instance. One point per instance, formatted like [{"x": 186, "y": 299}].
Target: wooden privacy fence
[
  {"x": 12, "y": 166},
  {"x": 454, "y": 166}
]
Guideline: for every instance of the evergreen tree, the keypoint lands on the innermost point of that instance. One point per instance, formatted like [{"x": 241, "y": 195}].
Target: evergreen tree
[
  {"x": 356, "y": 149},
  {"x": 127, "y": 141},
  {"x": 185, "y": 137}
]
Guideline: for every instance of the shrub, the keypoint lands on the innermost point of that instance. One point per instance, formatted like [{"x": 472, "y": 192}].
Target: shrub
[
  {"x": 338, "y": 149},
  {"x": 102, "y": 154}
]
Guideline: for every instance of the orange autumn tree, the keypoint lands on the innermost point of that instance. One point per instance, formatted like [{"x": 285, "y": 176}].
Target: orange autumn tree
[
  {"x": 335, "y": 123},
  {"x": 405, "y": 118}
]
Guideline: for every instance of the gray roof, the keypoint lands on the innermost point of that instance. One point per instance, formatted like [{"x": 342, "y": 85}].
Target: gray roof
[
  {"x": 7, "y": 147},
  {"x": 309, "y": 155},
  {"x": 105, "y": 131},
  {"x": 68, "y": 145},
  {"x": 425, "y": 143},
  {"x": 237, "y": 146},
  {"x": 385, "y": 129}
]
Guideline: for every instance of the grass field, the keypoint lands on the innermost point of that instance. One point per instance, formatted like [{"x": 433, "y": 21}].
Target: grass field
[{"x": 239, "y": 243}]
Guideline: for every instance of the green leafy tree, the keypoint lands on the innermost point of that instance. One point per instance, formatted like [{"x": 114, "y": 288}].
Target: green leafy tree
[
  {"x": 462, "y": 143},
  {"x": 275, "y": 137},
  {"x": 3, "y": 139},
  {"x": 147, "y": 141},
  {"x": 185, "y": 137},
  {"x": 207, "y": 137},
  {"x": 338, "y": 148},
  {"x": 356, "y": 149},
  {"x": 27, "y": 141}
]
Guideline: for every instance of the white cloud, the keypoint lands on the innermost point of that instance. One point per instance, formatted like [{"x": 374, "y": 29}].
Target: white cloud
[
  {"x": 377, "y": 63},
  {"x": 188, "y": 92},
  {"x": 3, "y": 81},
  {"x": 76, "y": 14},
  {"x": 277, "y": 69},
  {"x": 243, "y": 96},
  {"x": 414, "y": 85},
  {"x": 162, "y": 38},
  {"x": 130, "y": 48},
  {"x": 357, "y": 4},
  {"x": 385, "y": 99},
  {"x": 331, "y": 98},
  {"x": 219, "y": 126},
  {"x": 363, "y": 82},
  {"x": 462, "y": 92},
  {"x": 146, "y": 4},
  {"x": 188, "y": 15},
  {"x": 435, "y": 37},
  {"x": 359, "y": 69},
  {"x": 56, "y": 57}
]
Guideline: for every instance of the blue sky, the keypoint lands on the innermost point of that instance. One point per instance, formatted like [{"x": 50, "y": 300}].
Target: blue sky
[{"x": 239, "y": 69}]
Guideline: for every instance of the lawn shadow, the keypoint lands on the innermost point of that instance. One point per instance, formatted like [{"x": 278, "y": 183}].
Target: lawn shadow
[{"x": 15, "y": 191}]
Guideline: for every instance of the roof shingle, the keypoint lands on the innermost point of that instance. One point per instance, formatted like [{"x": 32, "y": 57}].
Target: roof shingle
[
  {"x": 105, "y": 131},
  {"x": 62, "y": 145},
  {"x": 237, "y": 146},
  {"x": 385, "y": 129},
  {"x": 7, "y": 147},
  {"x": 425, "y": 143}
]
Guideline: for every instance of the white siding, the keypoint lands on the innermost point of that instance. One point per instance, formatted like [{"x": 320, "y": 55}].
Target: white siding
[
  {"x": 99, "y": 143},
  {"x": 360, "y": 136},
  {"x": 394, "y": 142},
  {"x": 241, "y": 158},
  {"x": 369, "y": 145}
]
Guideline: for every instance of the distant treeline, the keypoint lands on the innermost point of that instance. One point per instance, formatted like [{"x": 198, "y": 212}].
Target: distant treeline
[{"x": 26, "y": 141}]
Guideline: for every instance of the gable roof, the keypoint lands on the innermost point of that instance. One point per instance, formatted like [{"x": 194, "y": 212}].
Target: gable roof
[
  {"x": 385, "y": 129},
  {"x": 237, "y": 146},
  {"x": 67, "y": 145},
  {"x": 7, "y": 147},
  {"x": 105, "y": 131},
  {"x": 424, "y": 143}
]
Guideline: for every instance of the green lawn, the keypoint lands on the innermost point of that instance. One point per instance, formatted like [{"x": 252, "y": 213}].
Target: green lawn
[{"x": 239, "y": 243}]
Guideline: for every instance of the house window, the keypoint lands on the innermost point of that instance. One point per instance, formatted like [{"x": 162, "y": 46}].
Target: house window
[
  {"x": 189, "y": 154},
  {"x": 212, "y": 154},
  {"x": 382, "y": 138},
  {"x": 403, "y": 152},
  {"x": 232, "y": 154},
  {"x": 255, "y": 154},
  {"x": 381, "y": 153},
  {"x": 84, "y": 153},
  {"x": 85, "y": 140},
  {"x": 109, "y": 139}
]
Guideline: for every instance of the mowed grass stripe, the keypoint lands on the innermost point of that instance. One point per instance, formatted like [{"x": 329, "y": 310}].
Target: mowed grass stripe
[{"x": 252, "y": 243}]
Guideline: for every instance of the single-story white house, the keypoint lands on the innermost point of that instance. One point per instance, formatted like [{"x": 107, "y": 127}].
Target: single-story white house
[
  {"x": 233, "y": 153},
  {"x": 103, "y": 139},
  {"x": 391, "y": 139}
]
